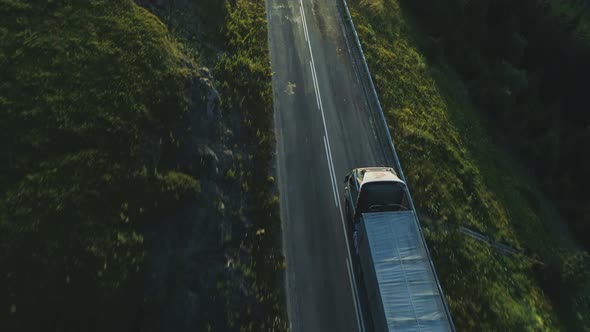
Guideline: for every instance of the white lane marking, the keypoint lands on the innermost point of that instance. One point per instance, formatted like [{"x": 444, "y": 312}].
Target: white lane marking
[
  {"x": 306, "y": 29},
  {"x": 360, "y": 322},
  {"x": 334, "y": 187},
  {"x": 305, "y": 34},
  {"x": 329, "y": 152},
  {"x": 315, "y": 86},
  {"x": 331, "y": 160},
  {"x": 331, "y": 168},
  {"x": 313, "y": 70},
  {"x": 315, "y": 82}
]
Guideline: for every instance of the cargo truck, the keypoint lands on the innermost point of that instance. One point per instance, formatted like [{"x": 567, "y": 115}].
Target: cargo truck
[{"x": 396, "y": 275}]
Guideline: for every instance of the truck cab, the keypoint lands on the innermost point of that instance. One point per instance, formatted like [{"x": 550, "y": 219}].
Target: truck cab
[{"x": 373, "y": 189}]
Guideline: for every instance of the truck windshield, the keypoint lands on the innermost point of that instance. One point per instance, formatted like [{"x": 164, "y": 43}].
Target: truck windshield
[{"x": 381, "y": 196}]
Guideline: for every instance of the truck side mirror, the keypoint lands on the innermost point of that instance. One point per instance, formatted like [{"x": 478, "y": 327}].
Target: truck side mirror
[{"x": 347, "y": 177}]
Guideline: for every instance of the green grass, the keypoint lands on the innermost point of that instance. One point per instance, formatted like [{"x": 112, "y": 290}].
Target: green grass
[
  {"x": 195, "y": 24},
  {"x": 244, "y": 81},
  {"x": 91, "y": 94},
  {"x": 457, "y": 175}
]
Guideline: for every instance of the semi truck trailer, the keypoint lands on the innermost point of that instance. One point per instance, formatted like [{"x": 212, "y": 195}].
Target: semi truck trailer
[{"x": 401, "y": 288}]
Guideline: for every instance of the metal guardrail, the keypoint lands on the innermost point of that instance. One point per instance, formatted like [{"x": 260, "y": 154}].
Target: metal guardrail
[{"x": 395, "y": 156}]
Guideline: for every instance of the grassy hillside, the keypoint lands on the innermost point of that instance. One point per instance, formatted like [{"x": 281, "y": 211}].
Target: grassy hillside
[
  {"x": 459, "y": 176},
  {"x": 94, "y": 106},
  {"x": 525, "y": 65},
  {"x": 90, "y": 94}
]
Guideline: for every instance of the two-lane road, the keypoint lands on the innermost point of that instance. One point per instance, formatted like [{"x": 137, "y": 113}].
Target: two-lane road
[{"x": 324, "y": 129}]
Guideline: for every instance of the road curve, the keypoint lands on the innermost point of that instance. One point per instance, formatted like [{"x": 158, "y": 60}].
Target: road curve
[{"x": 324, "y": 128}]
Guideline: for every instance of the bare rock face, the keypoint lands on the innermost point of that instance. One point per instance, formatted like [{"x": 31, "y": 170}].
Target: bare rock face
[
  {"x": 212, "y": 95},
  {"x": 203, "y": 143},
  {"x": 187, "y": 253},
  {"x": 203, "y": 98},
  {"x": 208, "y": 160}
]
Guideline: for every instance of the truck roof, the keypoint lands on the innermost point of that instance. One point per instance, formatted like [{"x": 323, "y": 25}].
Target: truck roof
[
  {"x": 377, "y": 174},
  {"x": 407, "y": 288}
]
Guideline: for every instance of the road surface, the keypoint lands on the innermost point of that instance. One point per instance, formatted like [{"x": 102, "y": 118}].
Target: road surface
[{"x": 324, "y": 129}]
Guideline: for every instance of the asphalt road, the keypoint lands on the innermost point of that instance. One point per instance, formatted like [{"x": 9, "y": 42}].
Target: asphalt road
[{"x": 324, "y": 128}]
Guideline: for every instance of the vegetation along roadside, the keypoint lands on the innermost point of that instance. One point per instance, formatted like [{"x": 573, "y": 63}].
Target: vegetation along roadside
[
  {"x": 460, "y": 173},
  {"x": 136, "y": 183}
]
